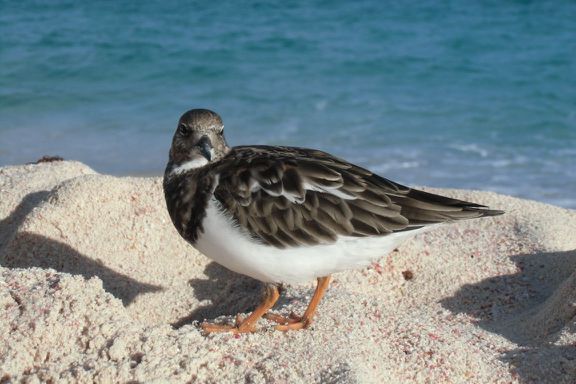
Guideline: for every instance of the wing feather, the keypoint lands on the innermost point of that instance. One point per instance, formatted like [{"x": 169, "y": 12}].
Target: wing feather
[{"x": 286, "y": 197}]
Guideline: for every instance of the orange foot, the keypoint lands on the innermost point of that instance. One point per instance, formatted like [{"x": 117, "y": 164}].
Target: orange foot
[
  {"x": 290, "y": 323},
  {"x": 294, "y": 322},
  {"x": 248, "y": 324},
  {"x": 292, "y": 318},
  {"x": 239, "y": 327}
]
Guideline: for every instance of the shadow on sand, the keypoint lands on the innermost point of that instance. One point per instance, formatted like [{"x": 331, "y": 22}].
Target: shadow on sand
[
  {"x": 503, "y": 305},
  {"x": 230, "y": 294},
  {"x": 33, "y": 250}
]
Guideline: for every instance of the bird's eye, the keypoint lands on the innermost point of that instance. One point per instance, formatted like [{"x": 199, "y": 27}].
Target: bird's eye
[{"x": 183, "y": 130}]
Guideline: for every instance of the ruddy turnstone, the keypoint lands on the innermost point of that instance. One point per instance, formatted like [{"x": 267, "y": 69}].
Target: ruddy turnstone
[{"x": 287, "y": 215}]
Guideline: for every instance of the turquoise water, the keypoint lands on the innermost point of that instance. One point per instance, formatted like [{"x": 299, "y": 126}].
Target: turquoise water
[{"x": 475, "y": 95}]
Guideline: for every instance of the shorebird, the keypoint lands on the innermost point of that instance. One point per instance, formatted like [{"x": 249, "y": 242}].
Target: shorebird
[{"x": 288, "y": 215}]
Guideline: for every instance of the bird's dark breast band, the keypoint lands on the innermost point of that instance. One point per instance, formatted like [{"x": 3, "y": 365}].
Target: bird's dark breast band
[{"x": 187, "y": 198}]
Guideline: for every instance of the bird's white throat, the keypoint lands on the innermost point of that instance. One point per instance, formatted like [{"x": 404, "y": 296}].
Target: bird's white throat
[{"x": 188, "y": 165}]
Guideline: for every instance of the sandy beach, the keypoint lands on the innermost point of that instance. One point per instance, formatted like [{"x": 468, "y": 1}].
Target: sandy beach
[{"x": 97, "y": 286}]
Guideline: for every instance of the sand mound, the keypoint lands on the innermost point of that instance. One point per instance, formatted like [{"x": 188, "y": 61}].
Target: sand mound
[{"x": 97, "y": 286}]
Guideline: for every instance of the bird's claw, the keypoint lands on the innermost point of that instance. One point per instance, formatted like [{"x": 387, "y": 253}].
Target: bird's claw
[
  {"x": 293, "y": 326},
  {"x": 239, "y": 327},
  {"x": 279, "y": 319},
  {"x": 292, "y": 322}
]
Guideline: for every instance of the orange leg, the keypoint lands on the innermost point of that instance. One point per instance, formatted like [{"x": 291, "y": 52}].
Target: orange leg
[
  {"x": 295, "y": 322},
  {"x": 249, "y": 323}
]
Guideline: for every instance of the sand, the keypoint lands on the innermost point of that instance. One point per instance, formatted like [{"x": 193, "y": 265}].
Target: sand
[{"x": 97, "y": 286}]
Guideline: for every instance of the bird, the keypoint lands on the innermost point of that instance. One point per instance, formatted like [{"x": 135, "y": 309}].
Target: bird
[{"x": 286, "y": 215}]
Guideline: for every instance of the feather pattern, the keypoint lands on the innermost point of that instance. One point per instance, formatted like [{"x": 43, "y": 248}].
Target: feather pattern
[
  {"x": 288, "y": 197},
  {"x": 283, "y": 214}
]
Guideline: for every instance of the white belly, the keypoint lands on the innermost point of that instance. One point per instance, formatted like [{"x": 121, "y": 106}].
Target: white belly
[{"x": 229, "y": 246}]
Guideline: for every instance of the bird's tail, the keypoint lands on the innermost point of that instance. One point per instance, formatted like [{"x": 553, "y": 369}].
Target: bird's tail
[{"x": 422, "y": 208}]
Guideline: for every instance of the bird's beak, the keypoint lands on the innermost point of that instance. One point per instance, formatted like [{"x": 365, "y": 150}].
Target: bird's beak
[{"x": 205, "y": 147}]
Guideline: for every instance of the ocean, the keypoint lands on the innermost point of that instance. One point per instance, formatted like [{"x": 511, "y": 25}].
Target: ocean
[{"x": 475, "y": 94}]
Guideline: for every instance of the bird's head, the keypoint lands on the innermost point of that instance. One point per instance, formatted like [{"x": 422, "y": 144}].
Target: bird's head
[{"x": 198, "y": 140}]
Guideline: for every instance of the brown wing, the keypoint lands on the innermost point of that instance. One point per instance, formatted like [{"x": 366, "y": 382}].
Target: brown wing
[{"x": 287, "y": 197}]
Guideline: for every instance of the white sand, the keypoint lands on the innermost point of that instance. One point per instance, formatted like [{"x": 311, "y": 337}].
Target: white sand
[{"x": 93, "y": 275}]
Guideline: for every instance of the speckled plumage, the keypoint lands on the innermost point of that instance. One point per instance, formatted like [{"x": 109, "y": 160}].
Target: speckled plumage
[
  {"x": 290, "y": 197},
  {"x": 285, "y": 214}
]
